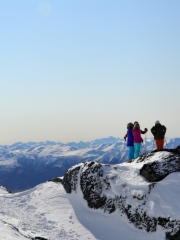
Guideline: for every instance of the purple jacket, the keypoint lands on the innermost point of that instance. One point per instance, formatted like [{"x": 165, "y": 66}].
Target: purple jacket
[
  {"x": 137, "y": 136},
  {"x": 130, "y": 138}
]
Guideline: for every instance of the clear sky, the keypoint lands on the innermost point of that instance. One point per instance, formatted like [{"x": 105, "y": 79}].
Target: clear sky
[{"x": 74, "y": 70}]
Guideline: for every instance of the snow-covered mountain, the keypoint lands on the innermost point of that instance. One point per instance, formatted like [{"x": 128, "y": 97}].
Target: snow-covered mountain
[
  {"x": 24, "y": 165},
  {"x": 95, "y": 201}
]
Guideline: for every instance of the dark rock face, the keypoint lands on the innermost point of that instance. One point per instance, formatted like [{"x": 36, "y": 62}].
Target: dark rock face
[
  {"x": 40, "y": 238},
  {"x": 55, "y": 179},
  {"x": 138, "y": 217},
  {"x": 158, "y": 170},
  {"x": 91, "y": 185},
  {"x": 70, "y": 179},
  {"x": 176, "y": 236}
]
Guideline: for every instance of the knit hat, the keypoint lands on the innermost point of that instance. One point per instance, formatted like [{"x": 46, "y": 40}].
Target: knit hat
[
  {"x": 130, "y": 125},
  {"x": 157, "y": 122}
]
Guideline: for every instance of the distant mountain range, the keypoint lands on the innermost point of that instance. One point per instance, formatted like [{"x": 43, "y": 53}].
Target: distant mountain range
[
  {"x": 81, "y": 144},
  {"x": 24, "y": 165}
]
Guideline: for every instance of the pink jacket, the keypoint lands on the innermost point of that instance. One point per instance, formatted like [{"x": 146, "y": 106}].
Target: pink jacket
[{"x": 137, "y": 136}]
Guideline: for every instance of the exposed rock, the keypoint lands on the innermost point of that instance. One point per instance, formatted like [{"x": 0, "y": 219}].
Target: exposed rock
[
  {"x": 40, "y": 238},
  {"x": 170, "y": 236},
  {"x": 157, "y": 170},
  {"x": 92, "y": 186},
  {"x": 55, "y": 179},
  {"x": 151, "y": 186},
  {"x": 70, "y": 179}
]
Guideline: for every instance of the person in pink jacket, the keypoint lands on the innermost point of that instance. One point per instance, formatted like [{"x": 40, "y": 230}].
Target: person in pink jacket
[{"x": 137, "y": 139}]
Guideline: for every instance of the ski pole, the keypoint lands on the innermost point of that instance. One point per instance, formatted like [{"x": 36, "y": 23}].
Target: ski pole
[
  {"x": 166, "y": 143},
  {"x": 145, "y": 144},
  {"x": 124, "y": 149},
  {"x": 153, "y": 145}
]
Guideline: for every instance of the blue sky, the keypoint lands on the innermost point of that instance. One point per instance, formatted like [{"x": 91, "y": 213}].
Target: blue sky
[{"x": 80, "y": 70}]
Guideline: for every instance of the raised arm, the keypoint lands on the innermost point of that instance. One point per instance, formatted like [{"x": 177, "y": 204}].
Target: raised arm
[{"x": 143, "y": 132}]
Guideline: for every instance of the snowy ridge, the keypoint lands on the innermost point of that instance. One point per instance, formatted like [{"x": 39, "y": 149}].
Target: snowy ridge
[
  {"x": 95, "y": 201},
  {"x": 153, "y": 207}
]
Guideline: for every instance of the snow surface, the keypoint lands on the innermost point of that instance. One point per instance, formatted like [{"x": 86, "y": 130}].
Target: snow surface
[
  {"x": 48, "y": 211},
  {"x": 8, "y": 232},
  {"x": 44, "y": 211}
]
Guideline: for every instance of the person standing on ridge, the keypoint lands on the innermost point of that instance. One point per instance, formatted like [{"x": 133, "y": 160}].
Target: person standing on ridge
[
  {"x": 141, "y": 131},
  {"x": 158, "y": 132},
  {"x": 137, "y": 138},
  {"x": 130, "y": 141}
]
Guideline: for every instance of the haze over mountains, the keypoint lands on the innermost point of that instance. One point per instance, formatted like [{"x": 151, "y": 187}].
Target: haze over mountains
[{"x": 24, "y": 165}]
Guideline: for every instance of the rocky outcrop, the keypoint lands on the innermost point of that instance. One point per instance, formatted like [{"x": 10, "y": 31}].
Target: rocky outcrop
[
  {"x": 93, "y": 182},
  {"x": 176, "y": 236},
  {"x": 96, "y": 180},
  {"x": 56, "y": 179},
  {"x": 157, "y": 170},
  {"x": 70, "y": 179}
]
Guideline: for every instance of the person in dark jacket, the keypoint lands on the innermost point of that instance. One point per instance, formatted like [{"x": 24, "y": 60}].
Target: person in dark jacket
[
  {"x": 158, "y": 132},
  {"x": 130, "y": 141}
]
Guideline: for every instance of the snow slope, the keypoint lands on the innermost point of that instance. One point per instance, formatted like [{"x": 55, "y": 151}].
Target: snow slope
[
  {"x": 44, "y": 211},
  {"x": 48, "y": 211},
  {"x": 103, "y": 202}
]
